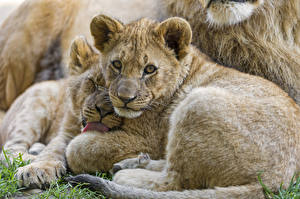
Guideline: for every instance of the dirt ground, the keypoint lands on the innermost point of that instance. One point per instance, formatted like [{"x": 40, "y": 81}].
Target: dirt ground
[{"x": 6, "y": 7}]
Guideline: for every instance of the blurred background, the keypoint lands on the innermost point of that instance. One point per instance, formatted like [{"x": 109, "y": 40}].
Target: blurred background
[{"x": 6, "y": 7}]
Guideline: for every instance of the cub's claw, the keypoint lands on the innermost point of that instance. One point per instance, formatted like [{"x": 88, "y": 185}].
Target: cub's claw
[
  {"x": 40, "y": 174},
  {"x": 141, "y": 161},
  {"x": 143, "y": 158}
]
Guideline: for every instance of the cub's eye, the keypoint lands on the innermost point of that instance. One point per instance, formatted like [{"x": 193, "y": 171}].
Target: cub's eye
[
  {"x": 150, "y": 69},
  {"x": 117, "y": 64}
]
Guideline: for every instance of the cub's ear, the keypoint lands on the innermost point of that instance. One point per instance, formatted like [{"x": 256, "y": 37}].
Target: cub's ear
[
  {"x": 177, "y": 35},
  {"x": 82, "y": 56},
  {"x": 103, "y": 28}
]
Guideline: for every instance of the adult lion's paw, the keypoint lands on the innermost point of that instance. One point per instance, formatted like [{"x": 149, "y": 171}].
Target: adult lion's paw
[{"x": 40, "y": 174}]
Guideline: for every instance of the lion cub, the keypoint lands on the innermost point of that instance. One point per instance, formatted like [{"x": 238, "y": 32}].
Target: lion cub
[
  {"x": 222, "y": 127},
  {"x": 53, "y": 113}
]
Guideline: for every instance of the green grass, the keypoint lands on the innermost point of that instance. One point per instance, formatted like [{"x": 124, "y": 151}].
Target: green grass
[
  {"x": 63, "y": 190},
  {"x": 8, "y": 184},
  {"x": 292, "y": 192},
  {"x": 60, "y": 189}
]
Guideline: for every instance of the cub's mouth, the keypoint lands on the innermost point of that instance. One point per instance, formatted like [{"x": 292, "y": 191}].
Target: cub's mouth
[
  {"x": 132, "y": 108},
  {"x": 94, "y": 126},
  {"x": 127, "y": 112}
]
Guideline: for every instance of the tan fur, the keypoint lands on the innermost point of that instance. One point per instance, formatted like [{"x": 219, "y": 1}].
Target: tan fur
[
  {"x": 31, "y": 116},
  {"x": 260, "y": 37},
  {"x": 31, "y": 30},
  {"x": 266, "y": 42},
  {"x": 72, "y": 19},
  {"x": 24, "y": 38},
  {"x": 2, "y": 113},
  {"x": 44, "y": 113},
  {"x": 220, "y": 127}
]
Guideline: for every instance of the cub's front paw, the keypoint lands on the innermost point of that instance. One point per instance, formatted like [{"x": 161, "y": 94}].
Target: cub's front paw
[
  {"x": 141, "y": 161},
  {"x": 28, "y": 157},
  {"x": 40, "y": 174}
]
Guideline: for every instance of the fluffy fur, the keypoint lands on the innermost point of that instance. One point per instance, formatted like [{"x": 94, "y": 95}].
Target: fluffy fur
[
  {"x": 260, "y": 37},
  {"x": 269, "y": 49},
  {"x": 222, "y": 127},
  {"x": 31, "y": 33},
  {"x": 45, "y": 113}
]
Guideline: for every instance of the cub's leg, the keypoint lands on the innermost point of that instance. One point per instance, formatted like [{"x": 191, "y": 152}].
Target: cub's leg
[
  {"x": 29, "y": 119},
  {"x": 142, "y": 161},
  {"x": 94, "y": 151},
  {"x": 25, "y": 37},
  {"x": 142, "y": 171}
]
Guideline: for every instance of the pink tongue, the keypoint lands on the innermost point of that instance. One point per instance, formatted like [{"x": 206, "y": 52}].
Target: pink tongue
[{"x": 95, "y": 126}]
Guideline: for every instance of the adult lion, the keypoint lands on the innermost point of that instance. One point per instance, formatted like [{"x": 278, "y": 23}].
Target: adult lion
[{"x": 255, "y": 36}]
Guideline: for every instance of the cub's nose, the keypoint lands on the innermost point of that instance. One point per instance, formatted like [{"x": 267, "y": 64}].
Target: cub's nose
[
  {"x": 103, "y": 111},
  {"x": 126, "y": 94}
]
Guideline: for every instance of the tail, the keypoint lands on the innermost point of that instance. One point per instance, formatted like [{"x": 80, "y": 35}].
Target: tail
[{"x": 116, "y": 191}]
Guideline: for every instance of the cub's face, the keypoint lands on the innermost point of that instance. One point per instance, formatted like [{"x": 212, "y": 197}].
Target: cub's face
[
  {"x": 229, "y": 12},
  {"x": 141, "y": 62},
  {"x": 137, "y": 77},
  {"x": 89, "y": 98}
]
